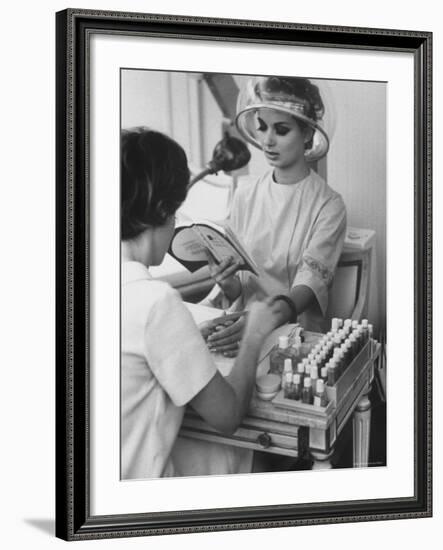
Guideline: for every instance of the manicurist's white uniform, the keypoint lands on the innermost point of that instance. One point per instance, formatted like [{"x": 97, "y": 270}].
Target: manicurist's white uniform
[
  {"x": 294, "y": 233},
  {"x": 164, "y": 364}
]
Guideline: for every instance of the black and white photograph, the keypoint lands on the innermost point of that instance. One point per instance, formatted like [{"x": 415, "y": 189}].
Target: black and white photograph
[{"x": 253, "y": 273}]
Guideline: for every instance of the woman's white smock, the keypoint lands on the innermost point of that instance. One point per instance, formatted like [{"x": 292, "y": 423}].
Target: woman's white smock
[{"x": 294, "y": 233}]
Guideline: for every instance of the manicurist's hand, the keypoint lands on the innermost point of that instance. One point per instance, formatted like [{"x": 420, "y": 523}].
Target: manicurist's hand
[
  {"x": 223, "y": 402},
  {"x": 223, "y": 274},
  {"x": 262, "y": 319}
]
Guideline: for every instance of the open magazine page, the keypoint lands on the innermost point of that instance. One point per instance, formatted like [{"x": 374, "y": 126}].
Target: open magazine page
[{"x": 192, "y": 239}]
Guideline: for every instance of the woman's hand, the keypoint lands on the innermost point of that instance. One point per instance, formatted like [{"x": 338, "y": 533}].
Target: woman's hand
[
  {"x": 226, "y": 336},
  {"x": 224, "y": 275},
  {"x": 260, "y": 321}
]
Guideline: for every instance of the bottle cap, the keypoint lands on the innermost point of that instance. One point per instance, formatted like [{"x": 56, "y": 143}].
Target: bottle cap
[
  {"x": 365, "y": 322},
  {"x": 324, "y": 371},
  {"x": 288, "y": 377},
  {"x": 370, "y": 328},
  {"x": 283, "y": 341},
  {"x": 296, "y": 378},
  {"x": 287, "y": 365},
  {"x": 320, "y": 386},
  {"x": 305, "y": 360},
  {"x": 340, "y": 322},
  {"x": 314, "y": 373},
  {"x": 307, "y": 382},
  {"x": 301, "y": 368},
  {"x": 347, "y": 323},
  {"x": 354, "y": 323}
]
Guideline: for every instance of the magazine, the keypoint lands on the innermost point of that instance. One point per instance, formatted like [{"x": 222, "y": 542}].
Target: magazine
[{"x": 193, "y": 240}]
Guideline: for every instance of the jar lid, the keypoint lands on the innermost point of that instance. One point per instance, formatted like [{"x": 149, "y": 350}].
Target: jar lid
[{"x": 268, "y": 383}]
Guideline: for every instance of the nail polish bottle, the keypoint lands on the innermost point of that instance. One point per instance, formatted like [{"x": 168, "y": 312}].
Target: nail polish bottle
[
  {"x": 296, "y": 387},
  {"x": 301, "y": 372},
  {"x": 278, "y": 355},
  {"x": 287, "y": 368},
  {"x": 287, "y": 385},
  {"x": 320, "y": 398},
  {"x": 332, "y": 373},
  {"x": 314, "y": 379},
  {"x": 306, "y": 395}
]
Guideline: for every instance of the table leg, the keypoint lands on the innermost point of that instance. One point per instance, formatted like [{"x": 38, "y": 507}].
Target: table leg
[
  {"x": 362, "y": 427},
  {"x": 321, "y": 461}
]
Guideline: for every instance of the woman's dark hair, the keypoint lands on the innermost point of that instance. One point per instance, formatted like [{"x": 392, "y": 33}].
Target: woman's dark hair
[
  {"x": 295, "y": 87},
  {"x": 154, "y": 179}
]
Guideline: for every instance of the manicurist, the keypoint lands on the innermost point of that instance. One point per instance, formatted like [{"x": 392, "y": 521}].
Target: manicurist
[{"x": 165, "y": 364}]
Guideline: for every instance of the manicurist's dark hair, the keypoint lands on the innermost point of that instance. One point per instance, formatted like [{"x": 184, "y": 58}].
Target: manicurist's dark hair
[{"x": 154, "y": 179}]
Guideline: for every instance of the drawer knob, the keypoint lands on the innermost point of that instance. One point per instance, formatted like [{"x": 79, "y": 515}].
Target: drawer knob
[{"x": 264, "y": 440}]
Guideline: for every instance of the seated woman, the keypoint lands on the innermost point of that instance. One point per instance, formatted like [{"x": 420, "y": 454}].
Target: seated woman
[
  {"x": 165, "y": 363},
  {"x": 290, "y": 221}
]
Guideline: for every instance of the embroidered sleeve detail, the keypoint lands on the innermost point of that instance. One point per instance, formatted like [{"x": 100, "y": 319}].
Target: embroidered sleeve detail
[{"x": 318, "y": 269}]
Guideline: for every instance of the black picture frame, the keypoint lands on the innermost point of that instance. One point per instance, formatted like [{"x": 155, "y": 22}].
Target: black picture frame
[{"x": 74, "y": 27}]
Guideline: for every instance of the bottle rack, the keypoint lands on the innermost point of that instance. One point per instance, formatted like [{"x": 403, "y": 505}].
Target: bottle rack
[{"x": 335, "y": 393}]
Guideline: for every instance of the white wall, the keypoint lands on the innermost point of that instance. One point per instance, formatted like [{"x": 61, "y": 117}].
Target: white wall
[
  {"x": 167, "y": 102},
  {"x": 27, "y": 275},
  {"x": 356, "y": 168}
]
